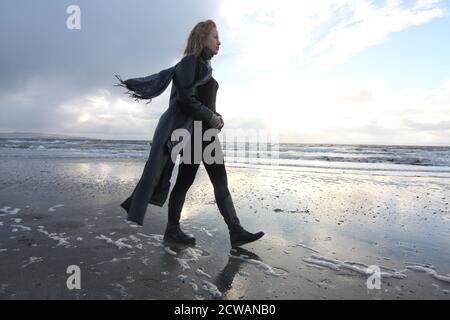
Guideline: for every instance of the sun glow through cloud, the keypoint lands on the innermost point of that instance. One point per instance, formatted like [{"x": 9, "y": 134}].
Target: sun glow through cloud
[
  {"x": 291, "y": 49},
  {"x": 324, "y": 71}
]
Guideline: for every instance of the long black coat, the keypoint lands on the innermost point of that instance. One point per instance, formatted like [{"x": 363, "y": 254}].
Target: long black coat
[{"x": 184, "y": 107}]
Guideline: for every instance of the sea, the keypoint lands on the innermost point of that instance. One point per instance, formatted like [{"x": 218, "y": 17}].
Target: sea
[{"x": 398, "y": 159}]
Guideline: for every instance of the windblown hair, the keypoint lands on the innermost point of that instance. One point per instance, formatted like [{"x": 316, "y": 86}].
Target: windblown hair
[
  {"x": 197, "y": 37},
  {"x": 153, "y": 85}
]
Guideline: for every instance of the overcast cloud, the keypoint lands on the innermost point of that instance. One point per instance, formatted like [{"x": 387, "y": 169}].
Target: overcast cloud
[
  {"x": 327, "y": 71},
  {"x": 45, "y": 66}
]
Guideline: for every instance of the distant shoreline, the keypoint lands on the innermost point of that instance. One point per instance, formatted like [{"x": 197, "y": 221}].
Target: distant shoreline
[
  {"x": 312, "y": 144},
  {"x": 40, "y": 135}
]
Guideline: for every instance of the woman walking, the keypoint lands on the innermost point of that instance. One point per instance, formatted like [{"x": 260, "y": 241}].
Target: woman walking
[{"x": 192, "y": 98}]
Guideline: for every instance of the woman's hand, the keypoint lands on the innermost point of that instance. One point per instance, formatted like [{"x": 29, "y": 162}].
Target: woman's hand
[
  {"x": 216, "y": 121},
  {"x": 221, "y": 122}
]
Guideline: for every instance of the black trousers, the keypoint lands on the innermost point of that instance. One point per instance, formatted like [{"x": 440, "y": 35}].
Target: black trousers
[{"x": 186, "y": 175}]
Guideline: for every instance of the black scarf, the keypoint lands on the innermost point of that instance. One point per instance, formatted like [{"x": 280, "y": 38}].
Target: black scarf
[{"x": 153, "y": 85}]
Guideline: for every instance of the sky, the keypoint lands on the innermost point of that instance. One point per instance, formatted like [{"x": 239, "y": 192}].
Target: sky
[{"x": 323, "y": 71}]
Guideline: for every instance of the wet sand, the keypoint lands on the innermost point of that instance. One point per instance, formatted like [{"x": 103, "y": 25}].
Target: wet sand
[{"x": 323, "y": 229}]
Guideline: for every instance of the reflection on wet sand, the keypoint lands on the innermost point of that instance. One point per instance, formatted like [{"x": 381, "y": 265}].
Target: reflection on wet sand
[
  {"x": 224, "y": 279},
  {"x": 55, "y": 213}
]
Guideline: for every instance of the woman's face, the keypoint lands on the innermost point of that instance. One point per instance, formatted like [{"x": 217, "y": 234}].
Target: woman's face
[{"x": 212, "y": 41}]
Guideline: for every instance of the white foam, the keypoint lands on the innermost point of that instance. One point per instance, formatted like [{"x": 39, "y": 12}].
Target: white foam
[
  {"x": 208, "y": 233},
  {"x": 193, "y": 285},
  {"x": 324, "y": 262},
  {"x": 145, "y": 261},
  {"x": 9, "y": 211},
  {"x": 32, "y": 260},
  {"x": 165, "y": 273},
  {"x": 426, "y": 265},
  {"x": 52, "y": 209},
  {"x": 211, "y": 288},
  {"x": 169, "y": 251},
  {"x": 61, "y": 240},
  {"x": 304, "y": 246},
  {"x": 155, "y": 237},
  {"x": 3, "y": 250},
  {"x": 119, "y": 243},
  {"x": 314, "y": 266},
  {"x": 21, "y": 227},
  {"x": 193, "y": 254},
  {"x": 202, "y": 273},
  {"x": 259, "y": 264},
  {"x": 79, "y": 239},
  {"x": 182, "y": 277},
  {"x": 135, "y": 239},
  {"x": 155, "y": 244},
  {"x": 132, "y": 224},
  {"x": 123, "y": 291},
  {"x": 17, "y": 220},
  {"x": 430, "y": 272},
  {"x": 183, "y": 264},
  {"x": 189, "y": 255},
  {"x": 358, "y": 267},
  {"x": 113, "y": 260}
]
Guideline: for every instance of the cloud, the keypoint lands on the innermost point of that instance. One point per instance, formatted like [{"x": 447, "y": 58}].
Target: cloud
[
  {"x": 369, "y": 25},
  {"x": 433, "y": 126},
  {"x": 278, "y": 43},
  {"x": 59, "y": 80},
  {"x": 52, "y": 76},
  {"x": 325, "y": 111},
  {"x": 321, "y": 33},
  {"x": 362, "y": 96}
]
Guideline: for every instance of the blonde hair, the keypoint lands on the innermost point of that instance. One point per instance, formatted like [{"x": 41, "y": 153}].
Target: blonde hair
[{"x": 197, "y": 37}]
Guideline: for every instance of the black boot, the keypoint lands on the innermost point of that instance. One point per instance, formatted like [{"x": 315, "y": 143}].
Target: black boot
[
  {"x": 175, "y": 234},
  {"x": 238, "y": 235}
]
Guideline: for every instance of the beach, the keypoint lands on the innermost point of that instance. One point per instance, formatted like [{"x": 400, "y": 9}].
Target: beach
[{"x": 327, "y": 230}]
